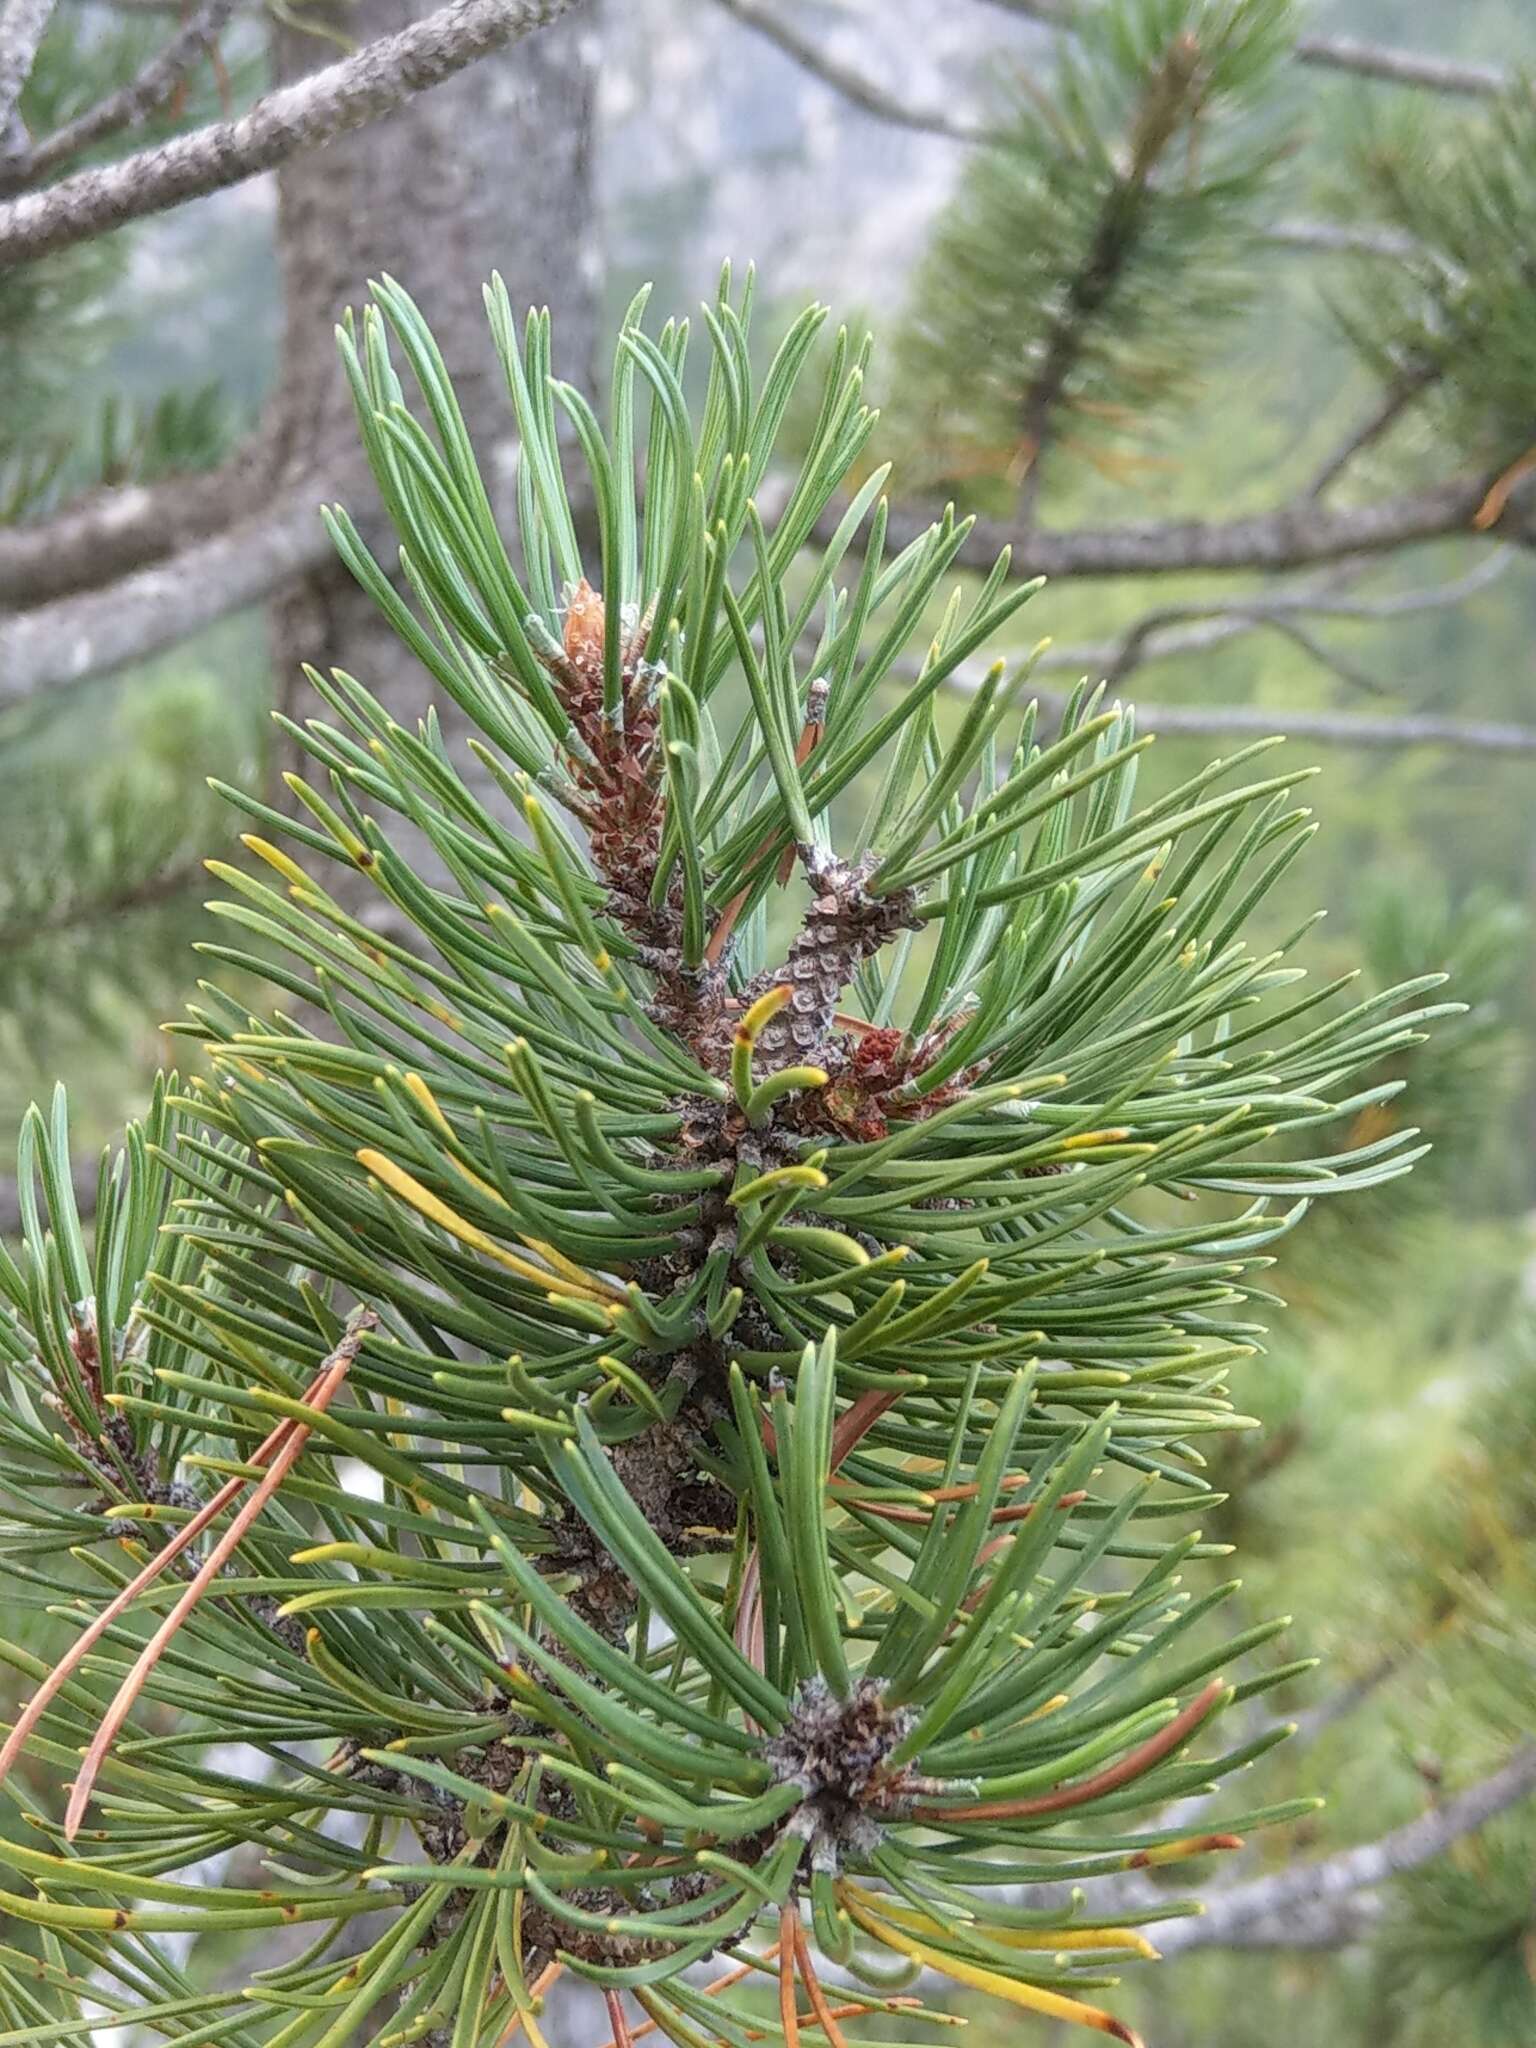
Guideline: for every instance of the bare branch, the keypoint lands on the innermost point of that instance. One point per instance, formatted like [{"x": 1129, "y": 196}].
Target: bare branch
[
  {"x": 1326, "y": 657},
  {"x": 862, "y": 92},
  {"x": 23, "y": 24},
  {"x": 1335, "y": 238},
  {"x": 1148, "y": 639},
  {"x": 1054, "y": 13},
  {"x": 152, "y": 610},
  {"x": 118, "y": 529},
  {"x": 1339, "y": 1705},
  {"x": 1327, "y": 728},
  {"x": 1401, "y": 67},
  {"x": 1330, "y": 53},
  {"x": 1298, "y": 535},
  {"x": 139, "y": 98},
  {"x": 1218, "y": 624},
  {"x": 1327, "y": 1904},
  {"x": 1380, "y": 420},
  {"x": 300, "y": 116}
]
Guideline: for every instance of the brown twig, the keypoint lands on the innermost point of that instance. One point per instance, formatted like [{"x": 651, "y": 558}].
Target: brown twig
[{"x": 1491, "y": 509}]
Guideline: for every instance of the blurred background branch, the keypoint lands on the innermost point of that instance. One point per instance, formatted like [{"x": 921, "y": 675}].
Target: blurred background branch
[
  {"x": 1336, "y": 1901},
  {"x": 300, "y": 116}
]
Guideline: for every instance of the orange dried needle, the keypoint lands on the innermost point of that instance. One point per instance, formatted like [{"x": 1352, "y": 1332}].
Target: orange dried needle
[
  {"x": 1134, "y": 1764},
  {"x": 1491, "y": 509},
  {"x": 826, "y": 2019},
  {"x": 62, "y": 1672},
  {"x": 289, "y": 1441},
  {"x": 789, "y": 1950},
  {"x": 548, "y": 1976},
  {"x": 720, "y": 1984}
]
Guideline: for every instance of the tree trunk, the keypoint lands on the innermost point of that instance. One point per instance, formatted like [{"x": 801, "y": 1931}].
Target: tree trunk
[{"x": 493, "y": 171}]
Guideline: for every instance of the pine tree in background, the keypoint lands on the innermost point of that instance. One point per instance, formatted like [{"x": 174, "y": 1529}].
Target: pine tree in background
[
  {"x": 1448, "y": 321},
  {"x": 702, "y": 1327},
  {"x": 1098, "y": 250}
]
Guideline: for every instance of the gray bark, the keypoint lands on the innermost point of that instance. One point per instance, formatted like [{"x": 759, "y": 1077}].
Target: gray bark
[
  {"x": 156, "y": 607},
  {"x": 143, "y": 95},
  {"x": 381, "y": 74},
  {"x": 1295, "y": 536},
  {"x": 1327, "y": 1904},
  {"x": 492, "y": 172}
]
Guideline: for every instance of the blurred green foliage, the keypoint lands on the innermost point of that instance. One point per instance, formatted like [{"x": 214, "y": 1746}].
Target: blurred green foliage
[{"x": 105, "y": 816}]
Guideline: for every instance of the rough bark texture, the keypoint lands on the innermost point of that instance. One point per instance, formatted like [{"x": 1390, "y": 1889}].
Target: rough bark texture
[
  {"x": 381, "y": 73},
  {"x": 493, "y": 171},
  {"x": 158, "y": 606},
  {"x": 1298, "y": 535}
]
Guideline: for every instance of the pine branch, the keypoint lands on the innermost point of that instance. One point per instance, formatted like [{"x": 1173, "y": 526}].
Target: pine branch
[
  {"x": 152, "y": 609},
  {"x": 135, "y": 101},
  {"x": 693, "y": 1174},
  {"x": 1168, "y": 101},
  {"x": 137, "y": 892},
  {"x": 1331, "y": 1903},
  {"x": 1465, "y": 193},
  {"x": 300, "y": 116},
  {"x": 1083, "y": 269}
]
